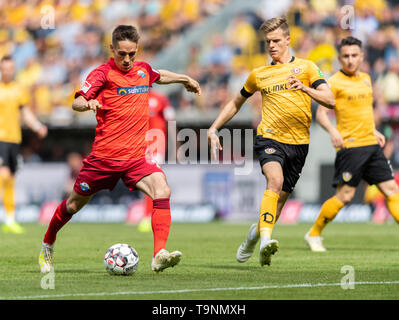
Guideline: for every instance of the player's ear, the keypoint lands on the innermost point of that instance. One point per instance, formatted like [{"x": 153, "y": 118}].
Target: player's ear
[{"x": 111, "y": 47}]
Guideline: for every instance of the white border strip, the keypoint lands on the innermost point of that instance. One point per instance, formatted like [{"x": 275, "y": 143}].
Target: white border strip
[{"x": 99, "y": 294}]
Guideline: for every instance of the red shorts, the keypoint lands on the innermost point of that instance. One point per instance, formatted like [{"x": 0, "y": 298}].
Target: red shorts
[{"x": 99, "y": 173}]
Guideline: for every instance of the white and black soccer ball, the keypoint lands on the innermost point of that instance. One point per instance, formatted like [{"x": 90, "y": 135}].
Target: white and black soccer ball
[{"x": 121, "y": 259}]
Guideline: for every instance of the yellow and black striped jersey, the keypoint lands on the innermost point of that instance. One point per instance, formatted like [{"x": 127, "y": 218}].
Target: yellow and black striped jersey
[
  {"x": 286, "y": 114},
  {"x": 354, "y": 108},
  {"x": 12, "y": 97}
]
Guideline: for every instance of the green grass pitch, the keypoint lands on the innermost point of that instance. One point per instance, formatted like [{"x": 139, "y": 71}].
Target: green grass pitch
[{"x": 208, "y": 269}]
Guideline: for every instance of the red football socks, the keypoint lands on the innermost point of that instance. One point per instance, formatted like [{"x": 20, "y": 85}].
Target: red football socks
[
  {"x": 148, "y": 206},
  {"x": 160, "y": 221},
  {"x": 59, "y": 219}
]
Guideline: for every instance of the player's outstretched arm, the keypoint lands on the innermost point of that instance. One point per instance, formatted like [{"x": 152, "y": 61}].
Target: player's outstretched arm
[
  {"x": 322, "y": 94},
  {"x": 323, "y": 119},
  {"x": 33, "y": 123},
  {"x": 228, "y": 112},
  {"x": 80, "y": 104},
  {"x": 167, "y": 77}
]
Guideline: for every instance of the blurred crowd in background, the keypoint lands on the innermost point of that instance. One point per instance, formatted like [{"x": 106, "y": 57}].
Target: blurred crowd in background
[{"x": 54, "y": 62}]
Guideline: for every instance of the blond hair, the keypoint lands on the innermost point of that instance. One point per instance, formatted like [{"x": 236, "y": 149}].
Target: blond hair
[{"x": 274, "y": 24}]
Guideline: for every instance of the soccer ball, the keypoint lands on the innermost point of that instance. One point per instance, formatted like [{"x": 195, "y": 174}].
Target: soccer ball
[{"x": 121, "y": 259}]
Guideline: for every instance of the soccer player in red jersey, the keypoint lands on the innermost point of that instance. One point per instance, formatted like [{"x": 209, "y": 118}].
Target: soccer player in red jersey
[
  {"x": 160, "y": 112},
  {"x": 117, "y": 92}
]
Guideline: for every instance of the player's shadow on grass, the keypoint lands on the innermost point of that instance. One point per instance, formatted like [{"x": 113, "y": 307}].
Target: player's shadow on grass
[
  {"x": 240, "y": 267},
  {"x": 70, "y": 271},
  {"x": 336, "y": 249},
  {"x": 357, "y": 249}
]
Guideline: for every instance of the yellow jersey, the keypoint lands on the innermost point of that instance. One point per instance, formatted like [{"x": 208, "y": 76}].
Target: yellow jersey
[
  {"x": 12, "y": 97},
  {"x": 354, "y": 108},
  {"x": 286, "y": 114}
]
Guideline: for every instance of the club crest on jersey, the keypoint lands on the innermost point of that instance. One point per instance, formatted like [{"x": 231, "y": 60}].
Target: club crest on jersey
[
  {"x": 296, "y": 70},
  {"x": 86, "y": 86},
  {"x": 141, "y": 73},
  {"x": 346, "y": 176},
  {"x": 84, "y": 186},
  {"x": 270, "y": 150}
]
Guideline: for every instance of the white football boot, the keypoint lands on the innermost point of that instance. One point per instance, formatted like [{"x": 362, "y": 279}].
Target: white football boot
[
  {"x": 246, "y": 249},
  {"x": 46, "y": 258},
  {"x": 315, "y": 243},
  {"x": 165, "y": 259},
  {"x": 267, "y": 249}
]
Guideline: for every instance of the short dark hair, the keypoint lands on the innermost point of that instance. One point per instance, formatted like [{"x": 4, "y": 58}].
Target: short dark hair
[
  {"x": 124, "y": 32},
  {"x": 350, "y": 41}
]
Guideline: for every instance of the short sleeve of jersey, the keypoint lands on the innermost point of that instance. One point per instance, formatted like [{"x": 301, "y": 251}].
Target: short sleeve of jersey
[
  {"x": 154, "y": 74},
  {"x": 316, "y": 77},
  {"x": 250, "y": 85},
  {"x": 95, "y": 81}
]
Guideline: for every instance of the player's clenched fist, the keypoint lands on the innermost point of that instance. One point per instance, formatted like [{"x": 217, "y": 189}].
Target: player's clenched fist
[
  {"x": 192, "y": 86},
  {"x": 93, "y": 105},
  {"x": 294, "y": 83}
]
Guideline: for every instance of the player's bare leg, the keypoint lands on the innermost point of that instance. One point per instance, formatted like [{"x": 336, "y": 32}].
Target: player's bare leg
[
  {"x": 281, "y": 202},
  {"x": 62, "y": 215},
  {"x": 156, "y": 187}
]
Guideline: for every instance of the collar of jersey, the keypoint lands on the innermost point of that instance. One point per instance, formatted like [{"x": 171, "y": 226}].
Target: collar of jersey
[
  {"x": 348, "y": 75},
  {"x": 113, "y": 64},
  {"x": 292, "y": 60}
]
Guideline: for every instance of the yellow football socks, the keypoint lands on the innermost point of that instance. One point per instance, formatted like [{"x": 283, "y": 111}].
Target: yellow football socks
[
  {"x": 393, "y": 206},
  {"x": 267, "y": 217},
  {"x": 9, "y": 197},
  {"x": 328, "y": 211}
]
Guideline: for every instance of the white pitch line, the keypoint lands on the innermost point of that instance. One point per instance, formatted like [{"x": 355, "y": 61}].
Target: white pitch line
[{"x": 98, "y": 294}]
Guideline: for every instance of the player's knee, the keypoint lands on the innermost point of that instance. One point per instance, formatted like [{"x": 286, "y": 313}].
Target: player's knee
[
  {"x": 346, "y": 197},
  {"x": 162, "y": 192},
  {"x": 392, "y": 189},
  {"x": 275, "y": 184},
  {"x": 5, "y": 173},
  {"x": 73, "y": 205}
]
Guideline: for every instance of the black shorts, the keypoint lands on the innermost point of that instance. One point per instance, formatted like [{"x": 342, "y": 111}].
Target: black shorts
[
  {"x": 291, "y": 157},
  {"x": 9, "y": 155},
  {"x": 368, "y": 163}
]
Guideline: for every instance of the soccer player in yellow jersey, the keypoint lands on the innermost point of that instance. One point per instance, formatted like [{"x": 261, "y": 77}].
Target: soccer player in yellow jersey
[
  {"x": 13, "y": 103},
  {"x": 358, "y": 143},
  {"x": 287, "y": 86}
]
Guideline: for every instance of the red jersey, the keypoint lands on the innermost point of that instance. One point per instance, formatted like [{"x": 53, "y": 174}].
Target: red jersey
[{"x": 122, "y": 122}]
